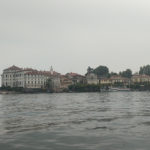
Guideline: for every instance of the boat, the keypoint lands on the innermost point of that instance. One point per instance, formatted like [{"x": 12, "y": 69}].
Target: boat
[
  {"x": 4, "y": 92},
  {"x": 119, "y": 89}
]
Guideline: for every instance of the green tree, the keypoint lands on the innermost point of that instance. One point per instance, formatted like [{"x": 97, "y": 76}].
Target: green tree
[
  {"x": 127, "y": 73},
  {"x": 101, "y": 71},
  {"x": 112, "y": 74},
  {"x": 89, "y": 69},
  {"x": 145, "y": 70}
]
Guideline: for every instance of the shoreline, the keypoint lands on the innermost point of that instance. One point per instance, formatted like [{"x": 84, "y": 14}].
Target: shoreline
[{"x": 14, "y": 92}]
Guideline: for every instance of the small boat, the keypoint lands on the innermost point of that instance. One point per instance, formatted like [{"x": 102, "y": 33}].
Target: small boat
[
  {"x": 119, "y": 89},
  {"x": 4, "y": 92}
]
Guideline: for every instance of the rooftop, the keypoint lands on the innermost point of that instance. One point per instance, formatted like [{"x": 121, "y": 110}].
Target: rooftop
[
  {"x": 73, "y": 74},
  {"x": 31, "y": 71},
  {"x": 13, "y": 68}
]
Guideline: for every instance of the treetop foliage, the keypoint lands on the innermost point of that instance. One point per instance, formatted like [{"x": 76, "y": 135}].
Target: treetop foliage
[
  {"x": 145, "y": 70},
  {"x": 100, "y": 70},
  {"x": 103, "y": 71},
  {"x": 127, "y": 73}
]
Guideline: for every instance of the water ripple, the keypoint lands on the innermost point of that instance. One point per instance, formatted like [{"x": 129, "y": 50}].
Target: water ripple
[{"x": 75, "y": 121}]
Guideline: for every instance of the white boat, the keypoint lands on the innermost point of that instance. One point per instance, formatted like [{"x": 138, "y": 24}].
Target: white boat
[{"x": 118, "y": 89}]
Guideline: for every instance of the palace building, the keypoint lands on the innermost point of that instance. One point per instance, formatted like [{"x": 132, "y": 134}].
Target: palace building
[{"x": 28, "y": 77}]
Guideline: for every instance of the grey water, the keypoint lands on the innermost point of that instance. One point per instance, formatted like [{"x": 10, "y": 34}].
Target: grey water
[{"x": 75, "y": 121}]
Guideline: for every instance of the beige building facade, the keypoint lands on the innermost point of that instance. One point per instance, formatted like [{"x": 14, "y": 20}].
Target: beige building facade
[{"x": 140, "y": 78}]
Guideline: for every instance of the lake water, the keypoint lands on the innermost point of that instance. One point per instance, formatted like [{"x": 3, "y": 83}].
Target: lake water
[{"x": 75, "y": 121}]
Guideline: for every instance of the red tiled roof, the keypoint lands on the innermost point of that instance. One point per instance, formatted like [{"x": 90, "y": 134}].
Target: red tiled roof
[
  {"x": 140, "y": 76},
  {"x": 63, "y": 76},
  {"x": 73, "y": 74},
  {"x": 29, "y": 69},
  {"x": 33, "y": 71},
  {"x": 46, "y": 73},
  {"x": 13, "y": 68},
  {"x": 118, "y": 77},
  {"x": 105, "y": 79}
]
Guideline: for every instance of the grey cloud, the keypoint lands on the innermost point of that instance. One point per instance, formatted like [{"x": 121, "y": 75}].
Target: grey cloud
[{"x": 73, "y": 34}]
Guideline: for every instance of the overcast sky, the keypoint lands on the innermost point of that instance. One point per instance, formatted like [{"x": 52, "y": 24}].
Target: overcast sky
[{"x": 71, "y": 35}]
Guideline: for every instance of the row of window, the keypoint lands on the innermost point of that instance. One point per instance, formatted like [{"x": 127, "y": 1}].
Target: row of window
[
  {"x": 11, "y": 83},
  {"x": 15, "y": 75},
  {"x": 36, "y": 86},
  {"x": 29, "y": 75},
  {"x": 13, "y": 80},
  {"x": 19, "y": 75},
  {"x": 20, "y": 83},
  {"x": 35, "y": 82},
  {"x": 36, "y": 78}
]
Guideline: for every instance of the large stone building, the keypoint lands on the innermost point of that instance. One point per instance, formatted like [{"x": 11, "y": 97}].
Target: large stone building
[
  {"x": 136, "y": 78},
  {"x": 65, "y": 82},
  {"x": 29, "y": 78},
  {"x": 92, "y": 78},
  {"x": 76, "y": 78},
  {"x": 119, "y": 80}
]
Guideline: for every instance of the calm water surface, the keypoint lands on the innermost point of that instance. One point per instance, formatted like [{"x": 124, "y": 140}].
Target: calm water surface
[{"x": 75, "y": 121}]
